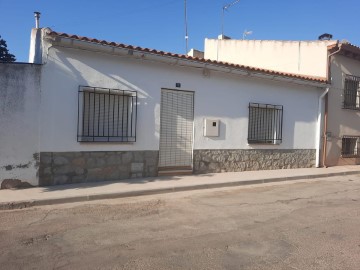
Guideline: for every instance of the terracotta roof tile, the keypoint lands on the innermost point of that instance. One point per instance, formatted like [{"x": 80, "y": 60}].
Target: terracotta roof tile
[
  {"x": 197, "y": 59},
  {"x": 346, "y": 49}
]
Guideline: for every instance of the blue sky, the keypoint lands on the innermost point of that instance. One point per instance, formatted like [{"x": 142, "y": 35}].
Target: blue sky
[{"x": 159, "y": 24}]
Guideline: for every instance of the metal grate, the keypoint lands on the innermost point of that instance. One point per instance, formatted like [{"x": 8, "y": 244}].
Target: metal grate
[
  {"x": 265, "y": 123},
  {"x": 176, "y": 128},
  {"x": 351, "y": 98},
  {"x": 350, "y": 146},
  {"x": 106, "y": 115}
]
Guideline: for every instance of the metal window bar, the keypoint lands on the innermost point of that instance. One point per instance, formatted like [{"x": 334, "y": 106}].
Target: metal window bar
[
  {"x": 106, "y": 115},
  {"x": 265, "y": 123},
  {"x": 351, "y": 96},
  {"x": 350, "y": 146}
]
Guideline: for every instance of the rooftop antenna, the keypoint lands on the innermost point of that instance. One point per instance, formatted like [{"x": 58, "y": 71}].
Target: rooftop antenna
[
  {"x": 226, "y": 7},
  {"x": 186, "y": 29},
  {"x": 246, "y": 33}
]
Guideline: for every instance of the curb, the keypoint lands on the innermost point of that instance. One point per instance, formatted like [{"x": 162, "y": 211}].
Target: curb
[{"x": 93, "y": 197}]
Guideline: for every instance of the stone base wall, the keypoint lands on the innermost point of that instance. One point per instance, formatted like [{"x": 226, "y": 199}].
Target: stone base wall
[
  {"x": 58, "y": 168},
  {"x": 215, "y": 161}
]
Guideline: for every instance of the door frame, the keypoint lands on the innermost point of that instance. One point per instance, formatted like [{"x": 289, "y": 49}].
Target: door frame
[{"x": 193, "y": 128}]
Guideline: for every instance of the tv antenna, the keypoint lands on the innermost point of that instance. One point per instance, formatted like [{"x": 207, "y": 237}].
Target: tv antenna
[
  {"x": 246, "y": 33},
  {"x": 226, "y": 7}
]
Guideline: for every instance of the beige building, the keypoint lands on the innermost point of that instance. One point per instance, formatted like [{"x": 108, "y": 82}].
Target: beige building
[
  {"x": 343, "y": 110},
  {"x": 338, "y": 62}
]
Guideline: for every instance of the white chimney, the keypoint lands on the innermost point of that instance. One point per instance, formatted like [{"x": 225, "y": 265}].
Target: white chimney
[
  {"x": 35, "y": 53},
  {"x": 37, "y": 19},
  {"x": 223, "y": 37}
]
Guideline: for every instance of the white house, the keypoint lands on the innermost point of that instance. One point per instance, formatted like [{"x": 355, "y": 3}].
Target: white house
[
  {"x": 110, "y": 111},
  {"x": 337, "y": 61}
]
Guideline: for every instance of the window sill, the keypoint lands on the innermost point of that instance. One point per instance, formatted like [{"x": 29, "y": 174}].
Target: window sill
[
  {"x": 263, "y": 143},
  {"x": 351, "y": 109},
  {"x": 106, "y": 140},
  {"x": 350, "y": 156}
]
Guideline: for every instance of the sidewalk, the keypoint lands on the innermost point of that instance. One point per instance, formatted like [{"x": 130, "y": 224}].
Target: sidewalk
[{"x": 15, "y": 199}]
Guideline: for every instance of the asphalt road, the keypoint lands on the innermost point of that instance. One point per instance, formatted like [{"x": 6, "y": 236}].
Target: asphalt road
[{"x": 299, "y": 225}]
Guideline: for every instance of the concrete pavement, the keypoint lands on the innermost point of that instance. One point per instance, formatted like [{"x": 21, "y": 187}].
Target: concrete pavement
[
  {"x": 308, "y": 224},
  {"x": 22, "y": 198}
]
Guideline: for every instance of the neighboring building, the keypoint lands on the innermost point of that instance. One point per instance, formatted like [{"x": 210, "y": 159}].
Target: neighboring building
[
  {"x": 338, "y": 61},
  {"x": 343, "y": 124},
  {"x": 109, "y": 111},
  {"x": 298, "y": 57}
]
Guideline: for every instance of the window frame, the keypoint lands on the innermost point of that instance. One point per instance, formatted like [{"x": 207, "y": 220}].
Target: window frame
[
  {"x": 103, "y": 116},
  {"x": 273, "y": 130},
  {"x": 348, "y": 103},
  {"x": 355, "y": 152}
]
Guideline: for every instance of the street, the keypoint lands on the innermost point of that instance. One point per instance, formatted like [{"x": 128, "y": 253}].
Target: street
[{"x": 310, "y": 224}]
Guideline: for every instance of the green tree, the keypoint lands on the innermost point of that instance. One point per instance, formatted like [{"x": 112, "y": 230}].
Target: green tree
[{"x": 5, "y": 56}]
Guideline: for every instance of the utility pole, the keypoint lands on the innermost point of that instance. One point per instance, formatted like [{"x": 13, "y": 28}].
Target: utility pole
[
  {"x": 186, "y": 29},
  {"x": 226, "y": 7}
]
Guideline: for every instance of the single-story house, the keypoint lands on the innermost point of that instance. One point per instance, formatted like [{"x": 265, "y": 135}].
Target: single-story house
[{"x": 110, "y": 111}]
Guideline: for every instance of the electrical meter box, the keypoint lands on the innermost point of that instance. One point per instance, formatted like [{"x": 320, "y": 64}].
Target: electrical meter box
[{"x": 211, "y": 127}]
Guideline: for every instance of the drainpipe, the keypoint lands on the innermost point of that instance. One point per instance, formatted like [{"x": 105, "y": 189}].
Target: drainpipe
[
  {"x": 319, "y": 125},
  {"x": 329, "y": 63},
  {"x": 324, "y": 145}
]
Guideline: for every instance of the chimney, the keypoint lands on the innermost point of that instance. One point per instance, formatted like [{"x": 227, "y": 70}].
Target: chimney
[
  {"x": 223, "y": 37},
  {"x": 35, "y": 53},
  {"x": 196, "y": 53},
  {"x": 37, "y": 19}
]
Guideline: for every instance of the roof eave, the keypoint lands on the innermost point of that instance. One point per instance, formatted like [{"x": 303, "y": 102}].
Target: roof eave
[
  {"x": 135, "y": 52},
  {"x": 346, "y": 49}
]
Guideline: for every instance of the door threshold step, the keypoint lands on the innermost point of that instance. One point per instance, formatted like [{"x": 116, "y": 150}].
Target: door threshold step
[
  {"x": 175, "y": 172},
  {"x": 175, "y": 168}
]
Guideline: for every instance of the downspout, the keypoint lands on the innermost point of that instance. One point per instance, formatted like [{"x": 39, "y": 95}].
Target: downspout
[
  {"x": 324, "y": 145},
  {"x": 328, "y": 62},
  {"x": 319, "y": 125}
]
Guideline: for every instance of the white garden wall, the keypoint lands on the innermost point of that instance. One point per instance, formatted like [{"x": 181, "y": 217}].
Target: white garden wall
[{"x": 19, "y": 136}]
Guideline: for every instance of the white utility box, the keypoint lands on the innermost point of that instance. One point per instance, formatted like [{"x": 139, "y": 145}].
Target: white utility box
[{"x": 211, "y": 127}]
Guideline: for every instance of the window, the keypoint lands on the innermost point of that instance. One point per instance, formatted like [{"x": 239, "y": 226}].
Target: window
[
  {"x": 265, "y": 123},
  {"x": 106, "y": 115},
  {"x": 351, "y": 92},
  {"x": 350, "y": 146}
]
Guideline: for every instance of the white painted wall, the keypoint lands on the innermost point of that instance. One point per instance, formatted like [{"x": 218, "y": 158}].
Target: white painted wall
[
  {"x": 287, "y": 56},
  {"x": 19, "y": 106},
  {"x": 227, "y": 98},
  {"x": 219, "y": 96},
  {"x": 341, "y": 121}
]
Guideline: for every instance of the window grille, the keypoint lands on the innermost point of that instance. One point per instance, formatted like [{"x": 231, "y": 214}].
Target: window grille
[
  {"x": 106, "y": 115},
  {"x": 350, "y": 146},
  {"x": 265, "y": 123},
  {"x": 351, "y": 93}
]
